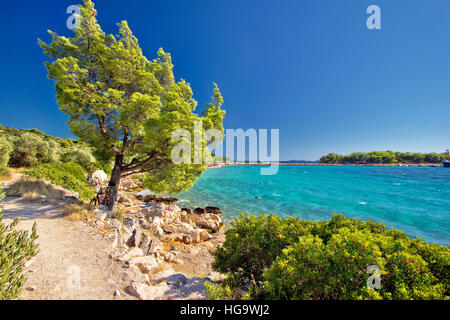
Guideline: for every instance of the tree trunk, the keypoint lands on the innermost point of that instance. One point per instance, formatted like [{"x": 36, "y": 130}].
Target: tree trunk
[{"x": 114, "y": 182}]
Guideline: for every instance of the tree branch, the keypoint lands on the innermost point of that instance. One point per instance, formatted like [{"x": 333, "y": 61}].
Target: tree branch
[
  {"x": 126, "y": 142},
  {"x": 101, "y": 123},
  {"x": 130, "y": 173},
  {"x": 136, "y": 165}
]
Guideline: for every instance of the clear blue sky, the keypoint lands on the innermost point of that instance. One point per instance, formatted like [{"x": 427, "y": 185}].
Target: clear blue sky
[{"x": 310, "y": 68}]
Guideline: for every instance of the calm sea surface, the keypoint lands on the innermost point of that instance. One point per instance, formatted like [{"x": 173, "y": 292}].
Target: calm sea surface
[{"x": 414, "y": 200}]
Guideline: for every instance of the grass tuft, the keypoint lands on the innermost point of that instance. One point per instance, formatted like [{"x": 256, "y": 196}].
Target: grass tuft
[
  {"x": 5, "y": 174},
  {"x": 30, "y": 196},
  {"x": 78, "y": 212}
]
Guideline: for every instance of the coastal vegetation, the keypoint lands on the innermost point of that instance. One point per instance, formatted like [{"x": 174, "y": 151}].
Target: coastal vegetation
[
  {"x": 126, "y": 107},
  {"x": 16, "y": 248},
  {"x": 70, "y": 176},
  {"x": 267, "y": 257},
  {"x": 61, "y": 161},
  {"x": 383, "y": 157},
  {"x": 5, "y": 151},
  {"x": 28, "y": 148},
  {"x": 4, "y": 173}
]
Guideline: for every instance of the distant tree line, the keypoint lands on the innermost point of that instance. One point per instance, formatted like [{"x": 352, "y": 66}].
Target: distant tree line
[{"x": 383, "y": 157}]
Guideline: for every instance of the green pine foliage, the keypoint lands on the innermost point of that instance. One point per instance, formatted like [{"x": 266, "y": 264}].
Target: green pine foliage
[
  {"x": 298, "y": 259},
  {"x": 70, "y": 176},
  {"x": 16, "y": 247},
  {"x": 125, "y": 106}
]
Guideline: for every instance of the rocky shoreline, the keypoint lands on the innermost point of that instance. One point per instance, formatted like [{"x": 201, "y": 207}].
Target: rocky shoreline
[{"x": 166, "y": 250}]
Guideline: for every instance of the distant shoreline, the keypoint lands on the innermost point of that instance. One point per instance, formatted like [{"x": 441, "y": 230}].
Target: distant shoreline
[{"x": 330, "y": 164}]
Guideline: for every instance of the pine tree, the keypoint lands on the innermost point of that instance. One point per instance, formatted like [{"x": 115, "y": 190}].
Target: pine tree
[{"x": 125, "y": 106}]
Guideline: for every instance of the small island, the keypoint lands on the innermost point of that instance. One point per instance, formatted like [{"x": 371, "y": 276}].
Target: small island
[{"x": 385, "y": 157}]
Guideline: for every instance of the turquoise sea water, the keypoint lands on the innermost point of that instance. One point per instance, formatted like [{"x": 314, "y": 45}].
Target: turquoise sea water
[{"x": 414, "y": 200}]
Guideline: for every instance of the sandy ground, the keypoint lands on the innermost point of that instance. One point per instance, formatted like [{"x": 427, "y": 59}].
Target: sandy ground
[{"x": 73, "y": 262}]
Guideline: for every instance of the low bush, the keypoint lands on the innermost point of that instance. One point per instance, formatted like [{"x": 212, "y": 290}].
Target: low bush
[
  {"x": 5, "y": 151},
  {"x": 254, "y": 242},
  {"x": 224, "y": 292},
  {"x": 70, "y": 176},
  {"x": 267, "y": 257},
  {"x": 83, "y": 157},
  {"x": 26, "y": 148},
  {"x": 4, "y": 173},
  {"x": 16, "y": 247},
  {"x": 30, "y": 150}
]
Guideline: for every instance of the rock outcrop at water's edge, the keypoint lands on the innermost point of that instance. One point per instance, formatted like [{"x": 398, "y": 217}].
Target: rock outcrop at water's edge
[{"x": 164, "y": 250}]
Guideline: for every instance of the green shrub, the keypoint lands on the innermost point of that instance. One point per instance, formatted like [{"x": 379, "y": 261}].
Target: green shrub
[
  {"x": 48, "y": 152},
  {"x": 218, "y": 292},
  {"x": 16, "y": 247},
  {"x": 30, "y": 149},
  {"x": 296, "y": 259},
  {"x": 254, "y": 242},
  {"x": 4, "y": 172},
  {"x": 70, "y": 176},
  {"x": 82, "y": 157},
  {"x": 5, "y": 151}
]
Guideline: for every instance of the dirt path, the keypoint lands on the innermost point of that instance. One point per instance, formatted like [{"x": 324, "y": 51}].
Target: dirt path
[{"x": 73, "y": 262}]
